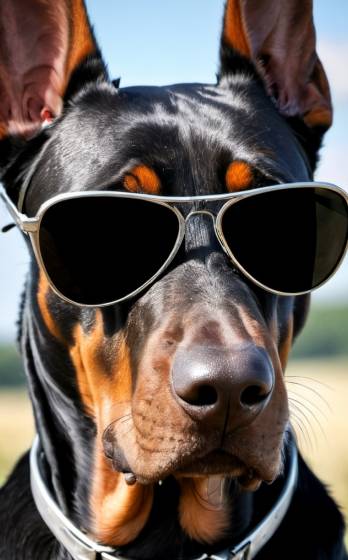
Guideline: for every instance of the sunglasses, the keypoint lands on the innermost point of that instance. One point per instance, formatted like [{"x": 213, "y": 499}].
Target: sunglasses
[{"x": 98, "y": 248}]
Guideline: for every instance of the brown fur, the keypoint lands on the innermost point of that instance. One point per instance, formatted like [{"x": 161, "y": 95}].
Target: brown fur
[
  {"x": 81, "y": 43},
  {"x": 239, "y": 176},
  {"x": 42, "y": 294},
  {"x": 142, "y": 179}
]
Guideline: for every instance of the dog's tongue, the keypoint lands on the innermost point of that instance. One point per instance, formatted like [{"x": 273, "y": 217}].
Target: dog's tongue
[{"x": 215, "y": 494}]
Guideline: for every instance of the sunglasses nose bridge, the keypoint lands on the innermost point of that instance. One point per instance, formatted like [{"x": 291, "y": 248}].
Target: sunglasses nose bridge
[
  {"x": 200, "y": 236},
  {"x": 215, "y": 224},
  {"x": 203, "y": 212},
  {"x": 197, "y": 212}
]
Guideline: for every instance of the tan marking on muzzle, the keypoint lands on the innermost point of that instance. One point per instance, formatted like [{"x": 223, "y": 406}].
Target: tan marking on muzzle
[{"x": 118, "y": 511}]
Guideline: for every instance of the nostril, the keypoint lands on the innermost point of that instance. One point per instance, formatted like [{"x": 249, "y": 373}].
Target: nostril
[
  {"x": 201, "y": 395},
  {"x": 254, "y": 394}
]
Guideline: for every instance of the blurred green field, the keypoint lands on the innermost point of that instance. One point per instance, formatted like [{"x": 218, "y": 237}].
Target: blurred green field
[
  {"x": 318, "y": 392},
  {"x": 16, "y": 427}
]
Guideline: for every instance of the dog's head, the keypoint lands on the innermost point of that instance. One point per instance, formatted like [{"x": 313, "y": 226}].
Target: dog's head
[{"x": 185, "y": 381}]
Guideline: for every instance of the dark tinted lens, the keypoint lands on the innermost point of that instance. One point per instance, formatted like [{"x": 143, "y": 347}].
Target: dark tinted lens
[
  {"x": 289, "y": 240},
  {"x": 100, "y": 249}
]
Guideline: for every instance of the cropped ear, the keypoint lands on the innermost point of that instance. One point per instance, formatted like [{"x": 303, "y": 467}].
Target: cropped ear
[
  {"x": 278, "y": 37},
  {"x": 42, "y": 42}
]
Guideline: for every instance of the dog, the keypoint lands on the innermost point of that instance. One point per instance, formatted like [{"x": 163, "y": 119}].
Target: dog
[{"x": 154, "y": 354}]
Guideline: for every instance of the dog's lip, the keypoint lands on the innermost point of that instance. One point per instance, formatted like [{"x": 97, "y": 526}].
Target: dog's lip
[
  {"x": 211, "y": 461},
  {"x": 217, "y": 462},
  {"x": 222, "y": 463}
]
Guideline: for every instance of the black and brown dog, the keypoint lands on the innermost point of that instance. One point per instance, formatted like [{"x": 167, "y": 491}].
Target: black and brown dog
[{"x": 262, "y": 122}]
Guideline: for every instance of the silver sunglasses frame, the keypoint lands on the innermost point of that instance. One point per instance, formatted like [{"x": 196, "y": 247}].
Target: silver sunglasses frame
[{"x": 31, "y": 227}]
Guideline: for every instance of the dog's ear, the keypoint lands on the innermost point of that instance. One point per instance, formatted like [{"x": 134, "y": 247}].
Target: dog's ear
[
  {"x": 42, "y": 43},
  {"x": 278, "y": 37}
]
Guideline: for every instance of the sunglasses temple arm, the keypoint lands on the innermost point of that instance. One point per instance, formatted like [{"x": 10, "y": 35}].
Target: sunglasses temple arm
[{"x": 21, "y": 220}]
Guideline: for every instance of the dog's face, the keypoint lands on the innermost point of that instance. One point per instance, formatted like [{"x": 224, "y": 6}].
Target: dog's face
[
  {"x": 201, "y": 313},
  {"x": 187, "y": 379}
]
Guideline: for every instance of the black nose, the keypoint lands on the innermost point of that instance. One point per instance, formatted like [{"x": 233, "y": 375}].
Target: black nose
[{"x": 209, "y": 381}]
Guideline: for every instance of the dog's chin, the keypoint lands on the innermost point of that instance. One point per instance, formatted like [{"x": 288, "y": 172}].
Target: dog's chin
[{"x": 217, "y": 462}]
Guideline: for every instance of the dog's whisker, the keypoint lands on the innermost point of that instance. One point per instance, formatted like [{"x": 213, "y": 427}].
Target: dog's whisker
[
  {"x": 301, "y": 409},
  {"x": 305, "y": 422},
  {"x": 312, "y": 379},
  {"x": 124, "y": 418},
  {"x": 121, "y": 419},
  {"x": 308, "y": 402},
  {"x": 300, "y": 425},
  {"x": 314, "y": 391},
  {"x": 312, "y": 414},
  {"x": 304, "y": 435}
]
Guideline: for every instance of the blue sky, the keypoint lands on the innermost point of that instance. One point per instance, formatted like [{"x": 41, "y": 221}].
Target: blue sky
[{"x": 162, "y": 41}]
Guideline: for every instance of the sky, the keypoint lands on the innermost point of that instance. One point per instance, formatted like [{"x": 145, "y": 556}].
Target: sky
[{"x": 158, "y": 42}]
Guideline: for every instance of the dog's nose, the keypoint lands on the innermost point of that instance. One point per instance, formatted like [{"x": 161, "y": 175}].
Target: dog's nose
[{"x": 213, "y": 382}]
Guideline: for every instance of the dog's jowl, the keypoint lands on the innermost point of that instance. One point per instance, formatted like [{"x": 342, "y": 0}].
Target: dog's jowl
[{"x": 155, "y": 330}]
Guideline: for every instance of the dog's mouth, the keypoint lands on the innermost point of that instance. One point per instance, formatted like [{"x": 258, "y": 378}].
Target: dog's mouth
[
  {"x": 214, "y": 463},
  {"x": 222, "y": 463},
  {"x": 217, "y": 462},
  {"x": 152, "y": 454}
]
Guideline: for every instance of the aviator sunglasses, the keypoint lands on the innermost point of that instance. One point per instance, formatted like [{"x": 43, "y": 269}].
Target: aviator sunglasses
[{"x": 98, "y": 248}]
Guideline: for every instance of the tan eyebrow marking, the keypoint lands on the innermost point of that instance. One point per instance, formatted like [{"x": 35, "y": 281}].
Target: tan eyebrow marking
[
  {"x": 142, "y": 179},
  {"x": 239, "y": 176}
]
